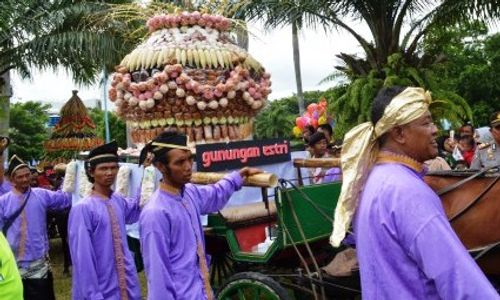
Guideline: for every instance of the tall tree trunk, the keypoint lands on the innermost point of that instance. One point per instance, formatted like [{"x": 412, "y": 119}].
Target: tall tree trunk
[
  {"x": 296, "y": 63},
  {"x": 5, "y": 93}
]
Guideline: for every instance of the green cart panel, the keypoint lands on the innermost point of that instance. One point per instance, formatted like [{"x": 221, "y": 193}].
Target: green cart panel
[{"x": 314, "y": 224}]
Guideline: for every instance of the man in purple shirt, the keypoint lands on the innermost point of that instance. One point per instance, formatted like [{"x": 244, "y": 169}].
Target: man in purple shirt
[
  {"x": 172, "y": 240},
  {"x": 405, "y": 244},
  {"x": 103, "y": 267},
  {"x": 23, "y": 217}
]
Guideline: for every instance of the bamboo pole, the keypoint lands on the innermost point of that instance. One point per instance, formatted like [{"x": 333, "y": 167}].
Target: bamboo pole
[
  {"x": 316, "y": 162},
  {"x": 259, "y": 180}
]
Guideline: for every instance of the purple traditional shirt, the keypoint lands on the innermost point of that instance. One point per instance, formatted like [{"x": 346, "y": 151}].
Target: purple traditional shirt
[
  {"x": 95, "y": 272},
  {"x": 405, "y": 244},
  {"x": 5, "y": 187},
  {"x": 28, "y": 234},
  {"x": 170, "y": 228}
]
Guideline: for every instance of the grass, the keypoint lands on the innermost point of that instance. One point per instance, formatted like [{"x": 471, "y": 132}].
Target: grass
[{"x": 62, "y": 283}]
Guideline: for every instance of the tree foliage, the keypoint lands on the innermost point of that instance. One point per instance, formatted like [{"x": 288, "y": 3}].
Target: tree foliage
[
  {"x": 28, "y": 129},
  {"x": 117, "y": 128},
  {"x": 278, "y": 118},
  {"x": 57, "y": 33},
  {"x": 472, "y": 65}
]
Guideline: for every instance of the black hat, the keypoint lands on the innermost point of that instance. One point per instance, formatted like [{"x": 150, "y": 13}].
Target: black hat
[
  {"x": 15, "y": 163},
  {"x": 316, "y": 137},
  {"x": 163, "y": 143},
  {"x": 103, "y": 154}
]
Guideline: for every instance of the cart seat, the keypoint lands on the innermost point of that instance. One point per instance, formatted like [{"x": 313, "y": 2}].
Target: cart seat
[{"x": 248, "y": 212}]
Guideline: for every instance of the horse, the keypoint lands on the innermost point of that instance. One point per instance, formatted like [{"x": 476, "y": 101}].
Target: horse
[{"x": 473, "y": 209}]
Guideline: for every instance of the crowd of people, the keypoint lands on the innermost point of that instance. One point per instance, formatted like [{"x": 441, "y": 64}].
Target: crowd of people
[
  {"x": 172, "y": 239},
  {"x": 470, "y": 149},
  {"x": 399, "y": 225}
]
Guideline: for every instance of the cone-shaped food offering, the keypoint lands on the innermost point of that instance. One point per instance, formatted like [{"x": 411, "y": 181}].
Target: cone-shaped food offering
[
  {"x": 189, "y": 74},
  {"x": 75, "y": 131}
]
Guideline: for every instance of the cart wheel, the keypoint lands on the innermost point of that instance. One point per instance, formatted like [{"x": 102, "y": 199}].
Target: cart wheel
[
  {"x": 252, "y": 285},
  {"x": 221, "y": 267}
]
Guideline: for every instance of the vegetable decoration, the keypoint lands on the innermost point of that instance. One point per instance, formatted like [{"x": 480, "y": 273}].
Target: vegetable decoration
[
  {"x": 190, "y": 75},
  {"x": 75, "y": 131}
]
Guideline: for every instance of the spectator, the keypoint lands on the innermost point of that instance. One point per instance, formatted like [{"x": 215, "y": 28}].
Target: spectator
[
  {"x": 327, "y": 131},
  {"x": 467, "y": 147},
  {"x": 308, "y": 131},
  {"x": 489, "y": 154},
  {"x": 317, "y": 143},
  {"x": 34, "y": 177},
  {"x": 466, "y": 130}
]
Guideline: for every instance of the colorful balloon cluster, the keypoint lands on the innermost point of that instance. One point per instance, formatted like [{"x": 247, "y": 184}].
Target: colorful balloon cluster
[{"x": 314, "y": 116}]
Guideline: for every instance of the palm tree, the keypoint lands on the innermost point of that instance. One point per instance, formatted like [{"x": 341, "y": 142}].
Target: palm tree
[
  {"x": 280, "y": 13},
  {"x": 386, "y": 20},
  {"x": 50, "y": 34},
  {"x": 274, "y": 121}
]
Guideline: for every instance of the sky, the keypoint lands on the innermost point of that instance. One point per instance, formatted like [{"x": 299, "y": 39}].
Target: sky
[{"x": 273, "y": 49}]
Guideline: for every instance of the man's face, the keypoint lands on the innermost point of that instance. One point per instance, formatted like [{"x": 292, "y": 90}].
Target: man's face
[
  {"x": 326, "y": 133},
  {"x": 180, "y": 165},
  {"x": 105, "y": 173},
  {"x": 495, "y": 132},
  {"x": 466, "y": 131},
  {"x": 21, "y": 178},
  {"x": 319, "y": 149},
  {"x": 420, "y": 138}
]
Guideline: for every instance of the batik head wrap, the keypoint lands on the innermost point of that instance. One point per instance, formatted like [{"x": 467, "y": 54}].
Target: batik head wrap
[{"x": 360, "y": 149}]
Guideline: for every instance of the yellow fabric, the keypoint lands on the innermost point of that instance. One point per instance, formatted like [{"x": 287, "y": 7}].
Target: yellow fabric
[
  {"x": 11, "y": 287},
  {"x": 360, "y": 149},
  {"x": 496, "y": 121},
  {"x": 173, "y": 146}
]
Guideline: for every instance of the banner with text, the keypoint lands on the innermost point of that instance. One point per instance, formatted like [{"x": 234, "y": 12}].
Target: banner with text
[{"x": 235, "y": 155}]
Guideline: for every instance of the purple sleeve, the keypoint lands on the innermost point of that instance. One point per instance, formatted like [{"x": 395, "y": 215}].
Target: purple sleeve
[
  {"x": 443, "y": 258},
  {"x": 214, "y": 197},
  {"x": 333, "y": 174},
  {"x": 132, "y": 209},
  {"x": 154, "y": 248},
  {"x": 85, "y": 285},
  {"x": 5, "y": 187},
  {"x": 57, "y": 200}
]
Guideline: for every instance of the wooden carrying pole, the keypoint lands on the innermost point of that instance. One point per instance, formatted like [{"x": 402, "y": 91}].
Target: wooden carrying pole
[
  {"x": 260, "y": 180},
  {"x": 316, "y": 162}
]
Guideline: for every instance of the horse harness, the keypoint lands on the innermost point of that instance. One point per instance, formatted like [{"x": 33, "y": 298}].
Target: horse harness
[{"x": 478, "y": 254}]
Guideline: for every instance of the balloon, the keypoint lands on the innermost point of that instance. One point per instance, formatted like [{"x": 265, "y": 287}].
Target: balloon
[
  {"x": 307, "y": 121},
  {"x": 314, "y": 123},
  {"x": 321, "y": 110},
  {"x": 322, "y": 120},
  {"x": 300, "y": 122},
  {"x": 297, "y": 132},
  {"x": 315, "y": 115},
  {"x": 311, "y": 107}
]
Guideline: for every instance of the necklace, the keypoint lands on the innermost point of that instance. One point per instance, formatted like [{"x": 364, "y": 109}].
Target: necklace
[{"x": 390, "y": 157}]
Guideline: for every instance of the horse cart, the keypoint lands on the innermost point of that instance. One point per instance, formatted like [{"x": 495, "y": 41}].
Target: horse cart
[
  {"x": 278, "y": 248},
  {"x": 275, "y": 249}
]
